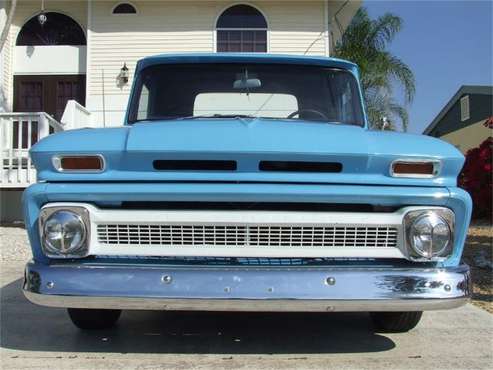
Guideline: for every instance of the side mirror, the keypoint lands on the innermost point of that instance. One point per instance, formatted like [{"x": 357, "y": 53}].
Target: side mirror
[{"x": 384, "y": 123}]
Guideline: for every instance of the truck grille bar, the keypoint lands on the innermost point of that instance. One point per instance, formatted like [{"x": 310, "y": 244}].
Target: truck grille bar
[{"x": 247, "y": 235}]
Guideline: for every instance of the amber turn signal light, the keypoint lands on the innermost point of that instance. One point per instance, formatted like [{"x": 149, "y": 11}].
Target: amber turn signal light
[
  {"x": 415, "y": 169},
  {"x": 82, "y": 163}
]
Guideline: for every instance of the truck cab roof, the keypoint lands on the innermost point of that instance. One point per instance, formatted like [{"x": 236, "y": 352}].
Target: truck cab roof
[{"x": 188, "y": 58}]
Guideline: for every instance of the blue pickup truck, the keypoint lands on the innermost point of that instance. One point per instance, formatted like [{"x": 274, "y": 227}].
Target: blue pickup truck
[{"x": 246, "y": 182}]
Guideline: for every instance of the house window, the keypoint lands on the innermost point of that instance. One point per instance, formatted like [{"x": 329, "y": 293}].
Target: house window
[
  {"x": 59, "y": 29},
  {"x": 241, "y": 28},
  {"x": 464, "y": 108},
  {"x": 124, "y": 8}
]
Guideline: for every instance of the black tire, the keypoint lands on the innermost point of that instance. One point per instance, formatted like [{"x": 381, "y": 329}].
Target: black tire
[
  {"x": 89, "y": 319},
  {"x": 395, "y": 322}
]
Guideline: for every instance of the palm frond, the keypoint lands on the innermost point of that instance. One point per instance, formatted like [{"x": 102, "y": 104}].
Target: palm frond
[
  {"x": 384, "y": 30},
  {"x": 381, "y": 106},
  {"x": 404, "y": 76},
  {"x": 365, "y": 42}
]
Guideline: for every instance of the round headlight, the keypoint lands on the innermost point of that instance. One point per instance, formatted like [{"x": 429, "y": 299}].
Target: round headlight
[
  {"x": 429, "y": 235},
  {"x": 64, "y": 233}
]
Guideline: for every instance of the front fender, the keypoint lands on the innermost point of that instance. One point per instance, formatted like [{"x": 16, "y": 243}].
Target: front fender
[
  {"x": 33, "y": 199},
  {"x": 460, "y": 201}
]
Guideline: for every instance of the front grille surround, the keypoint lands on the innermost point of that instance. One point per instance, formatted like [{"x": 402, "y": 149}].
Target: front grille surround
[{"x": 223, "y": 233}]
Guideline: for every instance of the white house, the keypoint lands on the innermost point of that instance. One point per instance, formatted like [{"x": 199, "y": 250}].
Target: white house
[{"x": 62, "y": 65}]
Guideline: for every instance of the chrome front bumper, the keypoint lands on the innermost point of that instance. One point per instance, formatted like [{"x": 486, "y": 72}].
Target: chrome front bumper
[{"x": 246, "y": 288}]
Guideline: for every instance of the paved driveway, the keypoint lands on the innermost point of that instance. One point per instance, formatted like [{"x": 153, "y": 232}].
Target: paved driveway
[{"x": 38, "y": 337}]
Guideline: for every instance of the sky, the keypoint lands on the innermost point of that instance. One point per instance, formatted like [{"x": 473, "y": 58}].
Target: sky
[{"x": 446, "y": 44}]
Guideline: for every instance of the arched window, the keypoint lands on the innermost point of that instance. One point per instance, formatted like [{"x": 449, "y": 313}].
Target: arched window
[
  {"x": 58, "y": 29},
  {"x": 241, "y": 28},
  {"x": 124, "y": 8}
]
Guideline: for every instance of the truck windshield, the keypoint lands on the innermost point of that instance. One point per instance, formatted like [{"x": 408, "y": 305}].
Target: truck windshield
[{"x": 272, "y": 91}]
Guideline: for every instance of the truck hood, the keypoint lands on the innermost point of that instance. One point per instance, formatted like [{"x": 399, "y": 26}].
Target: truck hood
[{"x": 130, "y": 152}]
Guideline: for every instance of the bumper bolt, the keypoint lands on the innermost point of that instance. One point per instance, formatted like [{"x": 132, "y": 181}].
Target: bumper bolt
[
  {"x": 227, "y": 289},
  {"x": 447, "y": 288},
  {"x": 50, "y": 284},
  {"x": 166, "y": 279},
  {"x": 330, "y": 281}
]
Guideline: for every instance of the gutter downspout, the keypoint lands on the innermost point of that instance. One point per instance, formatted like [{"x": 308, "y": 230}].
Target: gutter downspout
[
  {"x": 338, "y": 23},
  {"x": 327, "y": 28},
  {"x": 337, "y": 13}
]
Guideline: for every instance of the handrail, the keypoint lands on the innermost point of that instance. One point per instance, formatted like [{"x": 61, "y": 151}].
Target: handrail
[
  {"x": 75, "y": 115},
  {"x": 53, "y": 122},
  {"x": 80, "y": 107}
]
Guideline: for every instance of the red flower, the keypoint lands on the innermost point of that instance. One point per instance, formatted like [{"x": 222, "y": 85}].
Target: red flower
[{"x": 476, "y": 177}]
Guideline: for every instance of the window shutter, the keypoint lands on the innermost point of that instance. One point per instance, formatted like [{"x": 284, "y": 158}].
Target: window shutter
[{"x": 464, "y": 108}]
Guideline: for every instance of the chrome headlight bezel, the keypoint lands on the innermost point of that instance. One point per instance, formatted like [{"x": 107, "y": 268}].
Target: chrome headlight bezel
[
  {"x": 82, "y": 249},
  {"x": 445, "y": 214}
]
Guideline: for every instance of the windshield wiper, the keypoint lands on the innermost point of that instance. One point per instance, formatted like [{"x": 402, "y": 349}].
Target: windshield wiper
[
  {"x": 181, "y": 118},
  {"x": 217, "y": 116}
]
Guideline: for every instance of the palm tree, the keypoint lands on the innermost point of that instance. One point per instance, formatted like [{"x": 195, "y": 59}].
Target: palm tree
[{"x": 365, "y": 43}]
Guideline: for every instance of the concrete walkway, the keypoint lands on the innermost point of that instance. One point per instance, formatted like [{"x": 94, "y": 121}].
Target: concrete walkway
[{"x": 38, "y": 337}]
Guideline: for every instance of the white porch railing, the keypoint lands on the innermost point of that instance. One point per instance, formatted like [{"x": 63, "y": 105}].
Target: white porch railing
[{"x": 18, "y": 132}]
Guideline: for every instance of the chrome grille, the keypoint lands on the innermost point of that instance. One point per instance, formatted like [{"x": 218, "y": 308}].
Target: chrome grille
[{"x": 248, "y": 235}]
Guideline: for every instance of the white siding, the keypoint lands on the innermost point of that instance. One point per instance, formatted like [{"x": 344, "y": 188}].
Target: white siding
[
  {"x": 295, "y": 27},
  {"x": 157, "y": 28}
]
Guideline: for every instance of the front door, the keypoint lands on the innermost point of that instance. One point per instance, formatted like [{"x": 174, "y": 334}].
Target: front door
[
  {"x": 48, "y": 93},
  {"x": 43, "y": 94}
]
